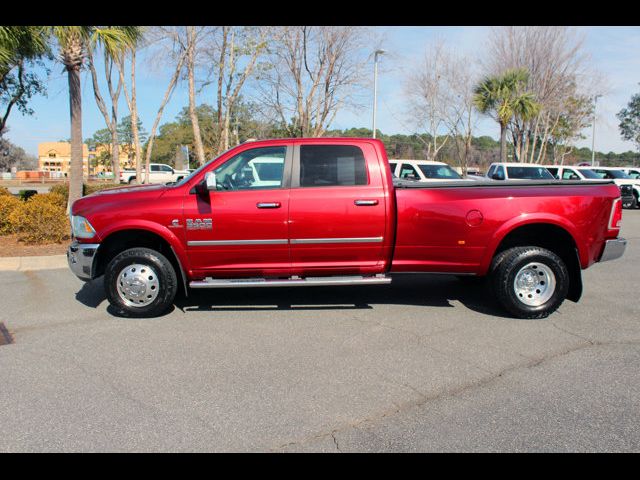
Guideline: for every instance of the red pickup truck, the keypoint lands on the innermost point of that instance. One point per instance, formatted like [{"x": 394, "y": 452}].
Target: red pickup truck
[{"x": 327, "y": 211}]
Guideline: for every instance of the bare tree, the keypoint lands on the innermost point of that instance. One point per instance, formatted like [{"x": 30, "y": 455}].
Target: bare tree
[
  {"x": 440, "y": 95},
  {"x": 460, "y": 112},
  {"x": 111, "y": 119},
  {"x": 558, "y": 71},
  {"x": 315, "y": 72},
  {"x": 188, "y": 41},
  {"x": 132, "y": 103},
  {"x": 234, "y": 54},
  {"x": 167, "y": 95}
]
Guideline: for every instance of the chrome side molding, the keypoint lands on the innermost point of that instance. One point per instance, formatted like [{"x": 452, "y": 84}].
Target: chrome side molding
[
  {"x": 290, "y": 282},
  {"x": 298, "y": 241},
  {"x": 284, "y": 241}
]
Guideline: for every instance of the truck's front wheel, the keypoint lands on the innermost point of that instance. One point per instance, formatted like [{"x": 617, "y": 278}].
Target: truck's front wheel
[
  {"x": 140, "y": 282},
  {"x": 530, "y": 282}
]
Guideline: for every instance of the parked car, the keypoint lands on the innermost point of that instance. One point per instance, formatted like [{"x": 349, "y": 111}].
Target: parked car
[
  {"x": 634, "y": 175},
  {"x": 517, "y": 171},
  {"x": 575, "y": 173},
  {"x": 423, "y": 170},
  {"x": 336, "y": 217},
  {"x": 158, "y": 173},
  {"x": 621, "y": 179}
]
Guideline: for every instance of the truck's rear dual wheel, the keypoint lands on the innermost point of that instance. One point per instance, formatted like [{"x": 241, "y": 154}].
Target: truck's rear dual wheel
[
  {"x": 530, "y": 282},
  {"x": 140, "y": 282}
]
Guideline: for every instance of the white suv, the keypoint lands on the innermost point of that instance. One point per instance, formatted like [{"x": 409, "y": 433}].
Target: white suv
[
  {"x": 620, "y": 178},
  {"x": 586, "y": 174},
  {"x": 518, "y": 171},
  {"x": 423, "y": 170}
]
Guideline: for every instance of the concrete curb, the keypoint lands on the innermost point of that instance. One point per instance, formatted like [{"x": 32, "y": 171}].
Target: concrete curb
[{"x": 22, "y": 264}]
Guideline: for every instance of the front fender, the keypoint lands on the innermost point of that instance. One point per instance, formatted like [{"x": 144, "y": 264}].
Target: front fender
[{"x": 153, "y": 227}]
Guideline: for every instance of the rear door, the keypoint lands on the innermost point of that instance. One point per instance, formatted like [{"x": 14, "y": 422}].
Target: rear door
[{"x": 336, "y": 209}]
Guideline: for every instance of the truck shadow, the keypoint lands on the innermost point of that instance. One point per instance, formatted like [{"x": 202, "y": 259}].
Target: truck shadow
[{"x": 418, "y": 290}]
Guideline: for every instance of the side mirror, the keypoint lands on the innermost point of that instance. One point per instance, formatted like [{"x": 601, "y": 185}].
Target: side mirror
[
  {"x": 210, "y": 181},
  {"x": 496, "y": 176}
]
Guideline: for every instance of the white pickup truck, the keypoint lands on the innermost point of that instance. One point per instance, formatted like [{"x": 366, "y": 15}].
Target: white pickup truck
[{"x": 158, "y": 173}]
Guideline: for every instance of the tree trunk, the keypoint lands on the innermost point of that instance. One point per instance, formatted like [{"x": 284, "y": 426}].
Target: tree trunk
[
  {"x": 76, "y": 175},
  {"x": 115, "y": 155},
  {"x": 134, "y": 124},
  {"x": 197, "y": 137},
  {"x": 503, "y": 143}
]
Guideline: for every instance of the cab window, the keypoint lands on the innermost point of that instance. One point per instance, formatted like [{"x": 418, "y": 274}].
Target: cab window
[
  {"x": 259, "y": 168},
  {"x": 332, "y": 165}
]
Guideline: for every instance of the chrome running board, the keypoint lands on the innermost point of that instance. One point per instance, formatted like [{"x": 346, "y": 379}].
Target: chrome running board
[{"x": 289, "y": 282}]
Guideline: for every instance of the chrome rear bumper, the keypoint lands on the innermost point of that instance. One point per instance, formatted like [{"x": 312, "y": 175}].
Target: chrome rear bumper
[
  {"x": 81, "y": 257},
  {"x": 613, "y": 249}
]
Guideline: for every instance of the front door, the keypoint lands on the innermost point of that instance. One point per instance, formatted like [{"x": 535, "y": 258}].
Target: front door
[{"x": 241, "y": 228}]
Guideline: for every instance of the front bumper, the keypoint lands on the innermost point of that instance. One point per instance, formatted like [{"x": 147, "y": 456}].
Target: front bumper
[
  {"x": 81, "y": 258},
  {"x": 628, "y": 201},
  {"x": 613, "y": 249}
]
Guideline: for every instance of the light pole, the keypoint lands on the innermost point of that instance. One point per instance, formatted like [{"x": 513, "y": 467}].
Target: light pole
[
  {"x": 375, "y": 87},
  {"x": 593, "y": 134}
]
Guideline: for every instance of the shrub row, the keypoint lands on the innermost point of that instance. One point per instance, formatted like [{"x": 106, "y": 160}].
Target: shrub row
[{"x": 39, "y": 219}]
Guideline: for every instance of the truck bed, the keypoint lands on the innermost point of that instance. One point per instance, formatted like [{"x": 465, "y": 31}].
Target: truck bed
[{"x": 455, "y": 227}]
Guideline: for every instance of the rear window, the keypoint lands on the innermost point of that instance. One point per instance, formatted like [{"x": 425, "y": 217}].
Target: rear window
[
  {"x": 529, "y": 173},
  {"x": 332, "y": 165},
  {"x": 444, "y": 172}
]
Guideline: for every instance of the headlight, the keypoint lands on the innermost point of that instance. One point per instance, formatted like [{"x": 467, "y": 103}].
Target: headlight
[{"x": 81, "y": 228}]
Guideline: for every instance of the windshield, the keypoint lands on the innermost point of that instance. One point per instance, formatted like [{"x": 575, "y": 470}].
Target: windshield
[
  {"x": 612, "y": 174},
  {"x": 589, "y": 173},
  {"x": 444, "y": 172},
  {"x": 188, "y": 178},
  {"x": 529, "y": 173}
]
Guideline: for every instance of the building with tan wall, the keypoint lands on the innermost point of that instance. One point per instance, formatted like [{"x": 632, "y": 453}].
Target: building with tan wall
[{"x": 54, "y": 157}]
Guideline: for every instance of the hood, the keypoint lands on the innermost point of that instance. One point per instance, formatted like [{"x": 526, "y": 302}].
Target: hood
[{"x": 114, "y": 196}]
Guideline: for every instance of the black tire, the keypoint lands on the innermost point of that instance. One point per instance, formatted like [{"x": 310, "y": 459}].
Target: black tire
[
  {"x": 132, "y": 180},
  {"x": 507, "y": 265},
  {"x": 166, "y": 281}
]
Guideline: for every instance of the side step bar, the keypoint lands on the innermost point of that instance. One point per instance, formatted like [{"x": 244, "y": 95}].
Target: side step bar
[{"x": 290, "y": 282}]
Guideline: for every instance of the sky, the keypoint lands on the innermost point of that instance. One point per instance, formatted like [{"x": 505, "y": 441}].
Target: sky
[{"x": 614, "y": 52}]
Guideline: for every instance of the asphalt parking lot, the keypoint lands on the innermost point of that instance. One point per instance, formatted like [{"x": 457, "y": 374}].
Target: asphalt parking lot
[{"x": 428, "y": 363}]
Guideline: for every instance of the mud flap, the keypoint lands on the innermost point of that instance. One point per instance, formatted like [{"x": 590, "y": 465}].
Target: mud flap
[{"x": 575, "y": 275}]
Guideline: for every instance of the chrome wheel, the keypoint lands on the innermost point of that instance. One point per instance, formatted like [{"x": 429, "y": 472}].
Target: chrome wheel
[
  {"x": 534, "y": 284},
  {"x": 138, "y": 285}
]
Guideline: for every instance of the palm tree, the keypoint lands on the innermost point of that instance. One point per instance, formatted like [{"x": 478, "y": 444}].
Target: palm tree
[
  {"x": 73, "y": 42},
  {"x": 505, "y": 96},
  {"x": 19, "y": 45}
]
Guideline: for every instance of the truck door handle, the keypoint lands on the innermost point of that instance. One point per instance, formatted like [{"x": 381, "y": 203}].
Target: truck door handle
[
  {"x": 268, "y": 205},
  {"x": 365, "y": 203}
]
